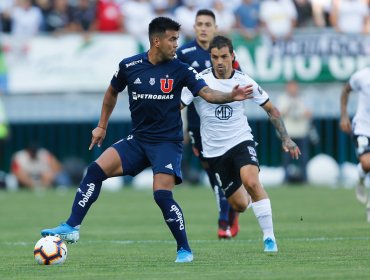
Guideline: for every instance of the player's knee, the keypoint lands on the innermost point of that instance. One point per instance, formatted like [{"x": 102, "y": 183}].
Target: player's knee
[
  {"x": 365, "y": 164},
  {"x": 239, "y": 205},
  {"x": 252, "y": 185}
]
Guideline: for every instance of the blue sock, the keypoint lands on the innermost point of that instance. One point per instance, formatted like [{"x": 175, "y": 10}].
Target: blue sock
[
  {"x": 223, "y": 205},
  {"x": 173, "y": 216},
  {"x": 87, "y": 194}
]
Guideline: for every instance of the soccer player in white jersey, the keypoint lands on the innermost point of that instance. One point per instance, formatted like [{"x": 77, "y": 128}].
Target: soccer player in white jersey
[
  {"x": 227, "y": 138},
  {"x": 360, "y": 127}
]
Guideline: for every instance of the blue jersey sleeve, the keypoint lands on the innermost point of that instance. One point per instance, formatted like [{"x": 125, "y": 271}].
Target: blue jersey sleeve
[
  {"x": 194, "y": 81},
  {"x": 119, "y": 81}
]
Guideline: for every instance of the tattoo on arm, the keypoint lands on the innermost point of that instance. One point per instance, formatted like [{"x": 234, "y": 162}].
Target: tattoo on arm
[
  {"x": 215, "y": 96},
  {"x": 277, "y": 121}
]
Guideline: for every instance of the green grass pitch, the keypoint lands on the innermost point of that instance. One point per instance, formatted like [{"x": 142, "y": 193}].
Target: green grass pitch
[{"x": 322, "y": 233}]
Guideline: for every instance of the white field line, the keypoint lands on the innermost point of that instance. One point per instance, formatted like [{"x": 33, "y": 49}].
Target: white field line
[{"x": 127, "y": 242}]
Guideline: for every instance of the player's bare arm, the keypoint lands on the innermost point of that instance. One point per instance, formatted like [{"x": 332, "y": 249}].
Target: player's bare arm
[
  {"x": 275, "y": 117},
  {"x": 219, "y": 97},
  {"x": 109, "y": 102},
  {"x": 345, "y": 123}
]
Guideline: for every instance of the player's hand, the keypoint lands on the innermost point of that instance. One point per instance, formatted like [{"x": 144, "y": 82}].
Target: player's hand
[
  {"x": 291, "y": 147},
  {"x": 98, "y": 135},
  {"x": 345, "y": 124},
  {"x": 195, "y": 151},
  {"x": 241, "y": 93}
]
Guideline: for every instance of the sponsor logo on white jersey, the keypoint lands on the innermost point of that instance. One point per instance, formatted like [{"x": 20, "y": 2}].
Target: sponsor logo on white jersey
[
  {"x": 223, "y": 112},
  {"x": 137, "y": 81},
  {"x": 169, "y": 166},
  {"x": 86, "y": 196}
]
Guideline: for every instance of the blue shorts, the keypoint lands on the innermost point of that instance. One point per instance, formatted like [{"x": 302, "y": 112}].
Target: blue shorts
[{"x": 163, "y": 157}]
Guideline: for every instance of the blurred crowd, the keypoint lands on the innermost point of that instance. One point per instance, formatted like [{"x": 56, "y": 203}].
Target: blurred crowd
[{"x": 276, "y": 18}]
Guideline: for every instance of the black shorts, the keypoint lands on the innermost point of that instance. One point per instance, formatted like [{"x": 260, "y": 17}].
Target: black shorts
[
  {"x": 227, "y": 167},
  {"x": 362, "y": 144}
]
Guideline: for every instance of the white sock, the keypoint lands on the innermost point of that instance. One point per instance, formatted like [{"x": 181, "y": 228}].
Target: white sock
[
  {"x": 263, "y": 213},
  {"x": 361, "y": 172}
]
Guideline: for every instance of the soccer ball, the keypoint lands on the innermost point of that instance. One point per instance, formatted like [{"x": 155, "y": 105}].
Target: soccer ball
[{"x": 50, "y": 250}]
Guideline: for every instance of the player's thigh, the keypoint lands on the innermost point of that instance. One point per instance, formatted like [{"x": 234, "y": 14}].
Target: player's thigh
[
  {"x": 132, "y": 156},
  {"x": 110, "y": 162},
  {"x": 227, "y": 176},
  {"x": 165, "y": 158}
]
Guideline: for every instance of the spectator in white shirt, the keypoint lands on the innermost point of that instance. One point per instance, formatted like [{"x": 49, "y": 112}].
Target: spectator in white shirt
[
  {"x": 350, "y": 16},
  {"x": 278, "y": 17}
]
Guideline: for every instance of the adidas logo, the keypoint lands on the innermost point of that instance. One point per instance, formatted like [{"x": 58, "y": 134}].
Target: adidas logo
[
  {"x": 195, "y": 64},
  {"x": 137, "y": 81},
  {"x": 169, "y": 166}
]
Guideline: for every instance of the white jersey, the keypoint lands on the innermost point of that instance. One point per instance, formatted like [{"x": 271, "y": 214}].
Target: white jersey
[
  {"x": 223, "y": 126},
  {"x": 360, "y": 83}
]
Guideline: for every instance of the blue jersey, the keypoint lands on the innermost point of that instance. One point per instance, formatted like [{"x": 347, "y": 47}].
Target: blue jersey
[
  {"x": 155, "y": 95},
  {"x": 198, "y": 58}
]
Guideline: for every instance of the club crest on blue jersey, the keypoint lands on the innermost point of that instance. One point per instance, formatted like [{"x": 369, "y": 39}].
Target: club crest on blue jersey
[
  {"x": 166, "y": 85},
  {"x": 152, "y": 81}
]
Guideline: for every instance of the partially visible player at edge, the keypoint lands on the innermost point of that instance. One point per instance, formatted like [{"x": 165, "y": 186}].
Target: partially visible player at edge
[
  {"x": 154, "y": 82},
  {"x": 228, "y": 143},
  {"x": 196, "y": 54},
  {"x": 360, "y": 128}
]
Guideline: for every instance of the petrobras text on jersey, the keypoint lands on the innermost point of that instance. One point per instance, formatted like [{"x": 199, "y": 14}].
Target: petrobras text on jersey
[{"x": 136, "y": 96}]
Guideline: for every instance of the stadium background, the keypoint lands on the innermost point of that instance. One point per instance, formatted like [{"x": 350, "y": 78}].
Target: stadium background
[{"x": 54, "y": 88}]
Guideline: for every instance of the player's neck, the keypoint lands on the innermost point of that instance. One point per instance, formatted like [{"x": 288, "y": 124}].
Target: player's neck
[
  {"x": 203, "y": 45},
  {"x": 153, "y": 57}
]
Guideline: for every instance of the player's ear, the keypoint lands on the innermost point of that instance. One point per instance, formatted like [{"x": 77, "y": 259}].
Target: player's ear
[{"x": 156, "y": 41}]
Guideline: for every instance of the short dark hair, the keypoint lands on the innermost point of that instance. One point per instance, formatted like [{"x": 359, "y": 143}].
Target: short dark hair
[
  {"x": 160, "y": 25},
  {"x": 221, "y": 41},
  {"x": 206, "y": 12}
]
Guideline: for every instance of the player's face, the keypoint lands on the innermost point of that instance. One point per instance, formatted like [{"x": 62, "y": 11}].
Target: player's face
[
  {"x": 222, "y": 62},
  {"x": 168, "y": 44},
  {"x": 205, "y": 28}
]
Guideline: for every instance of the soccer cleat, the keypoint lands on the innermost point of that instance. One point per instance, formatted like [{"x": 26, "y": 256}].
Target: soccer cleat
[
  {"x": 184, "y": 256},
  {"x": 234, "y": 223},
  {"x": 224, "y": 234},
  {"x": 64, "y": 231},
  {"x": 361, "y": 193},
  {"x": 270, "y": 245},
  {"x": 223, "y": 230}
]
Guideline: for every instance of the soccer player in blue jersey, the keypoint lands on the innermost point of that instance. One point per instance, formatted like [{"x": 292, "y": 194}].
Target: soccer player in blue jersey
[
  {"x": 154, "y": 81},
  {"x": 196, "y": 54}
]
